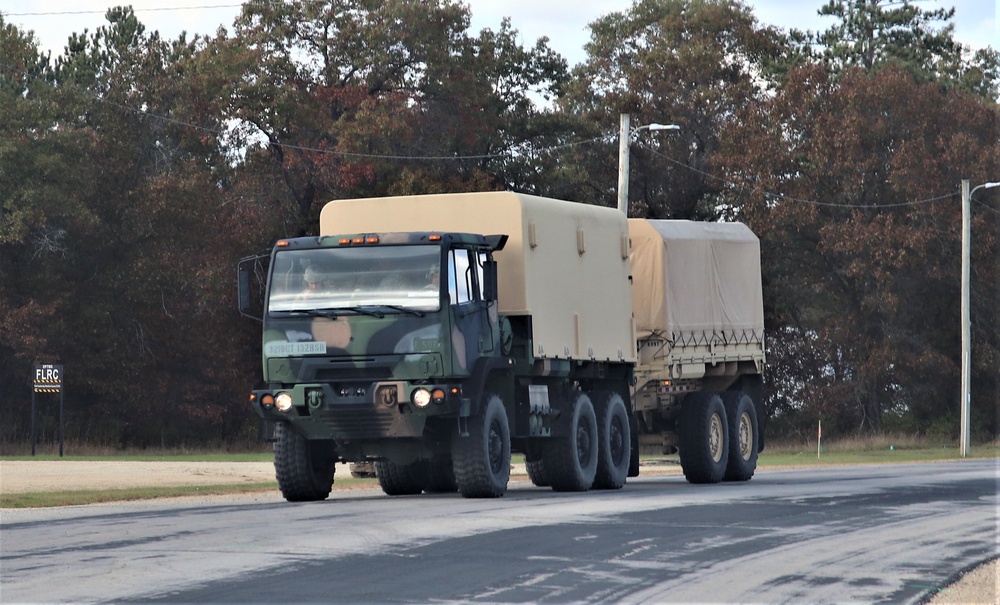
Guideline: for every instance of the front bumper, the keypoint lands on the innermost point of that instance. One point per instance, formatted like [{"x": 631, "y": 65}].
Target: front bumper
[{"x": 380, "y": 410}]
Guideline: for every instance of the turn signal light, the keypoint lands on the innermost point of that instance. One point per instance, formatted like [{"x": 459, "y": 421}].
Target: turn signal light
[{"x": 267, "y": 400}]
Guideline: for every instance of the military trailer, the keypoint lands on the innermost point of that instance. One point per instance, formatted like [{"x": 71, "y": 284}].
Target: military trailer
[
  {"x": 430, "y": 336},
  {"x": 699, "y": 317},
  {"x": 433, "y": 335}
]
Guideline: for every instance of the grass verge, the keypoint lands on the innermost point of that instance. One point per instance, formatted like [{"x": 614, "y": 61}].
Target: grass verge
[{"x": 97, "y": 496}]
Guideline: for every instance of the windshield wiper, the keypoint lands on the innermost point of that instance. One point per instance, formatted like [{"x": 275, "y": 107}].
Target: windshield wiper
[
  {"x": 406, "y": 310},
  {"x": 332, "y": 313},
  {"x": 363, "y": 311}
]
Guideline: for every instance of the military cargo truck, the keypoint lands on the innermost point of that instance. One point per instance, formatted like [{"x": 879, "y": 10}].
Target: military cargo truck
[{"x": 433, "y": 335}]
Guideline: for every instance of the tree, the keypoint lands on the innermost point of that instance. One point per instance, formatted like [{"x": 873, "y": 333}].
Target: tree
[
  {"x": 363, "y": 98},
  {"x": 862, "y": 249},
  {"x": 688, "y": 62},
  {"x": 873, "y": 33},
  {"x": 119, "y": 269}
]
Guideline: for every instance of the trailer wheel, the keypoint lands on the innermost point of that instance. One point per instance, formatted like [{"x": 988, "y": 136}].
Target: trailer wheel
[
  {"x": 441, "y": 476},
  {"x": 482, "y": 459},
  {"x": 572, "y": 459},
  {"x": 613, "y": 440},
  {"x": 304, "y": 468},
  {"x": 401, "y": 479},
  {"x": 743, "y": 432},
  {"x": 704, "y": 438}
]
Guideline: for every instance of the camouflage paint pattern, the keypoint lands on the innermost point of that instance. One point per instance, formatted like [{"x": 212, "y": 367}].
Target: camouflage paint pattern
[{"x": 351, "y": 368}]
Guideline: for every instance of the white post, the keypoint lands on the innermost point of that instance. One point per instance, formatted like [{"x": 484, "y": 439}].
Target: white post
[
  {"x": 966, "y": 323},
  {"x": 624, "y": 135},
  {"x": 819, "y": 439}
]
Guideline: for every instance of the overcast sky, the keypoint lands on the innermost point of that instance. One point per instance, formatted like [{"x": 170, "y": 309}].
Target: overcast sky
[{"x": 563, "y": 21}]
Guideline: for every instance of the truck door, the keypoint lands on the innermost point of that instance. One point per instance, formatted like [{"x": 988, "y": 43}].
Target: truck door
[{"x": 473, "y": 334}]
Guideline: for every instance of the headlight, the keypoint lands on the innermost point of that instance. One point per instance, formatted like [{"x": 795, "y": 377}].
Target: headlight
[
  {"x": 421, "y": 398},
  {"x": 283, "y": 402}
]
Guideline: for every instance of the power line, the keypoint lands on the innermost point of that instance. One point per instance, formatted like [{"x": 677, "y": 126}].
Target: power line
[
  {"x": 134, "y": 9},
  {"x": 799, "y": 200}
]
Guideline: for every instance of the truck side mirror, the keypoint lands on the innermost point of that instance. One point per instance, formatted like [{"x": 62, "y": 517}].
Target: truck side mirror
[
  {"x": 248, "y": 307},
  {"x": 490, "y": 280}
]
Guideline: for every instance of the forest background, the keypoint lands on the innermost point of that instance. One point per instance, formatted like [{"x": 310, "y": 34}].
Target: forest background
[{"x": 135, "y": 171}]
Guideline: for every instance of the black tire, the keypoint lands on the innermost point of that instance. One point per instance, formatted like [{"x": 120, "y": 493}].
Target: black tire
[
  {"x": 613, "y": 440},
  {"x": 704, "y": 438},
  {"x": 304, "y": 468},
  {"x": 537, "y": 472},
  {"x": 571, "y": 460},
  {"x": 743, "y": 431},
  {"x": 441, "y": 476},
  {"x": 633, "y": 427},
  {"x": 401, "y": 479},
  {"x": 482, "y": 459}
]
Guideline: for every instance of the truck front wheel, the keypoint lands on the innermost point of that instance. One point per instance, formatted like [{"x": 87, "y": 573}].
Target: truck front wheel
[
  {"x": 482, "y": 459},
  {"x": 441, "y": 476},
  {"x": 304, "y": 468},
  {"x": 704, "y": 438},
  {"x": 401, "y": 479}
]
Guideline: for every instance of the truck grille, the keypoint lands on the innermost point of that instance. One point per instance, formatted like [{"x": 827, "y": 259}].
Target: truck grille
[{"x": 357, "y": 422}]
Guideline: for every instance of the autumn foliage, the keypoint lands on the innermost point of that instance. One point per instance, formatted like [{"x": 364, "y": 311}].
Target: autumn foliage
[{"x": 135, "y": 172}]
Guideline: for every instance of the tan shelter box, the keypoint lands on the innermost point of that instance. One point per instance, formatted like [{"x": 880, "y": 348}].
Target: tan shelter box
[
  {"x": 694, "y": 281},
  {"x": 565, "y": 264}
]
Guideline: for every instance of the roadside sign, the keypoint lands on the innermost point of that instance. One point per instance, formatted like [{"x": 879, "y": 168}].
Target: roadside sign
[{"x": 48, "y": 378}]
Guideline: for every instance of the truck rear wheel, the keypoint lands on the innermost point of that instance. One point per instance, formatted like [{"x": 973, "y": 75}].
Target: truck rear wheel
[
  {"x": 482, "y": 459},
  {"x": 613, "y": 441},
  {"x": 743, "y": 431},
  {"x": 401, "y": 479},
  {"x": 304, "y": 468},
  {"x": 571, "y": 460},
  {"x": 704, "y": 438}
]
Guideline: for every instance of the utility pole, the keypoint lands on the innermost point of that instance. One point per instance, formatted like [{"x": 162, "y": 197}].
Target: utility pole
[
  {"x": 963, "y": 446},
  {"x": 624, "y": 135},
  {"x": 966, "y": 320},
  {"x": 624, "y": 141}
]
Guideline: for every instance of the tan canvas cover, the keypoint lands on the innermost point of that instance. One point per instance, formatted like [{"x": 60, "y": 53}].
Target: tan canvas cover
[
  {"x": 565, "y": 263},
  {"x": 695, "y": 278}
]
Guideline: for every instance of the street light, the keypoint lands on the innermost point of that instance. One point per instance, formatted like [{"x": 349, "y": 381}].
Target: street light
[
  {"x": 966, "y": 323},
  {"x": 624, "y": 139}
]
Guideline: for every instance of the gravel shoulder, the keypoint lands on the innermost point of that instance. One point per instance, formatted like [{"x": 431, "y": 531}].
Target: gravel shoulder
[{"x": 978, "y": 585}]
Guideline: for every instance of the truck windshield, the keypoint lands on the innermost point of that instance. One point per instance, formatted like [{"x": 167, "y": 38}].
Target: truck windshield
[{"x": 393, "y": 277}]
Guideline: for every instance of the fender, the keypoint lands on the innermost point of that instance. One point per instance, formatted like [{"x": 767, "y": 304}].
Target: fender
[{"x": 476, "y": 384}]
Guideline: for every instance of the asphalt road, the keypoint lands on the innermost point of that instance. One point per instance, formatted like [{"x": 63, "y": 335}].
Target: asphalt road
[{"x": 872, "y": 534}]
